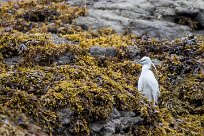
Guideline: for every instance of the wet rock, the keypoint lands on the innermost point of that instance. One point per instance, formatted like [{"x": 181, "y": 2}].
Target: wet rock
[
  {"x": 119, "y": 123},
  {"x": 145, "y": 37},
  {"x": 65, "y": 59},
  {"x": 189, "y": 39},
  {"x": 109, "y": 128},
  {"x": 127, "y": 113},
  {"x": 115, "y": 113},
  {"x": 61, "y": 59},
  {"x": 65, "y": 116},
  {"x": 9, "y": 128},
  {"x": 59, "y": 40},
  {"x": 97, "y": 126},
  {"x": 133, "y": 52},
  {"x": 103, "y": 51},
  {"x": 22, "y": 48},
  {"x": 200, "y": 18},
  {"x": 158, "y": 18},
  {"x": 13, "y": 60}
]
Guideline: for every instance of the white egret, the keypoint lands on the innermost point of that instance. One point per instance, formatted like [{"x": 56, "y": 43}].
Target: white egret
[{"x": 147, "y": 84}]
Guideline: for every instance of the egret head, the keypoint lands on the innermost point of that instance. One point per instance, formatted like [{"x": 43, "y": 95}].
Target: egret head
[{"x": 145, "y": 61}]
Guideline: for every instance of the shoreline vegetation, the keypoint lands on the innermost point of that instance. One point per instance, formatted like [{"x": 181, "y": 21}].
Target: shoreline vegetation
[{"x": 57, "y": 78}]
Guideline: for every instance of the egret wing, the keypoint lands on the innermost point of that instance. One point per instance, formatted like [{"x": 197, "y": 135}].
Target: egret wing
[
  {"x": 152, "y": 83},
  {"x": 140, "y": 83}
]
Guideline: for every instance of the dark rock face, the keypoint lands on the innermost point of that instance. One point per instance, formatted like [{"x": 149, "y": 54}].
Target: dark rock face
[
  {"x": 40, "y": 16},
  {"x": 120, "y": 122},
  {"x": 12, "y": 61},
  {"x": 165, "y": 19},
  {"x": 133, "y": 52},
  {"x": 59, "y": 40},
  {"x": 65, "y": 59},
  {"x": 65, "y": 115},
  {"x": 101, "y": 51}
]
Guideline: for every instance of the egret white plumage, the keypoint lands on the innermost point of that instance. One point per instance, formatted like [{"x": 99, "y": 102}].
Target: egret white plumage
[{"x": 147, "y": 83}]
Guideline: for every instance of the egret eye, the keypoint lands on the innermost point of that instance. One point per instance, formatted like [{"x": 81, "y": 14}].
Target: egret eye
[{"x": 142, "y": 60}]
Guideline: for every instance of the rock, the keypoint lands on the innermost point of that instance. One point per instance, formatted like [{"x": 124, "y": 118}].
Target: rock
[
  {"x": 103, "y": 51},
  {"x": 118, "y": 123},
  {"x": 59, "y": 40},
  {"x": 133, "y": 52},
  {"x": 109, "y": 129},
  {"x": 97, "y": 126},
  {"x": 61, "y": 59},
  {"x": 200, "y": 17},
  {"x": 190, "y": 39},
  {"x": 158, "y": 18},
  {"x": 22, "y": 48},
  {"x": 66, "y": 58},
  {"x": 127, "y": 113},
  {"x": 115, "y": 113},
  {"x": 13, "y": 60},
  {"x": 65, "y": 115}
]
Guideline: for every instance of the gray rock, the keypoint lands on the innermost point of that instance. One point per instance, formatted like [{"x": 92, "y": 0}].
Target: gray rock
[
  {"x": 65, "y": 115},
  {"x": 115, "y": 113},
  {"x": 59, "y": 40},
  {"x": 13, "y": 61},
  {"x": 133, "y": 52},
  {"x": 117, "y": 123},
  {"x": 22, "y": 48},
  {"x": 103, "y": 51},
  {"x": 189, "y": 39},
  {"x": 200, "y": 17},
  {"x": 66, "y": 58},
  {"x": 127, "y": 113},
  {"x": 97, "y": 126},
  {"x": 125, "y": 121},
  {"x": 109, "y": 129},
  {"x": 158, "y": 18}
]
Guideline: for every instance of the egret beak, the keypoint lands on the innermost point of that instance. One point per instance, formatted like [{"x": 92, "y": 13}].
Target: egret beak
[{"x": 141, "y": 62}]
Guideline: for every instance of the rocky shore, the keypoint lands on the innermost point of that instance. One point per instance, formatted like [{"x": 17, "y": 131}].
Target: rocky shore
[{"x": 63, "y": 72}]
